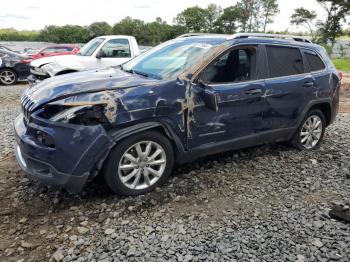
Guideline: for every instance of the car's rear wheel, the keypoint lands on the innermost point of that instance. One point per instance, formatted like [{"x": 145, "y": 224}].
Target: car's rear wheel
[
  {"x": 8, "y": 76},
  {"x": 311, "y": 131},
  {"x": 139, "y": 164}
]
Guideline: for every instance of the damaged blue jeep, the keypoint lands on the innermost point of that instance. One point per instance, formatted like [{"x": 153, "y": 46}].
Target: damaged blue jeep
[{"x": 186, "y": 98}]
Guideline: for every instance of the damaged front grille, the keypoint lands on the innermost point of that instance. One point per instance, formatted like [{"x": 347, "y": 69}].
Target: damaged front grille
[{"x": 27, "y": 104}]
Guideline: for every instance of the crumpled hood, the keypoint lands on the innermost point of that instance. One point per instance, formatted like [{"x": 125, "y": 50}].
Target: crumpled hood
[
  {"x": 54, "y": 59},
  {"x": 67, "y": 85},
  {"x": 55, "y": 67}
]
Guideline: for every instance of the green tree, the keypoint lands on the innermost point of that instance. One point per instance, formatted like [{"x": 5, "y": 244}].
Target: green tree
[
  {"x": 246, "y": 18},
  {"x": 157, "y": 32},
  {"x": 256, "y": 15},
  {"x": 99, "y": 28},
  {"x": 130, "y": 26},
  {"x": 193, "y": 18},
  {"x": 65, "y": 34},
  {"x": 337, "y": 11},
  {"x": 305, "y": 18},
  {"x": 229, "y": 21},
  {"x": 213, "y": 13},
  {"x": 11, "y": 34},
  {"x": 269, "y": 11}
]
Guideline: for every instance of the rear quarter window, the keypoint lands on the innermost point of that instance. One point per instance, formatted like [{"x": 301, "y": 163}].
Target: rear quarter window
[
  {"x": 284, "y": 61},
  {"x": 315, "y": 62}
]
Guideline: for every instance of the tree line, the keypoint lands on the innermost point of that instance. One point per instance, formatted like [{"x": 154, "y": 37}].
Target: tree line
[{"x": 244, "y": 16}]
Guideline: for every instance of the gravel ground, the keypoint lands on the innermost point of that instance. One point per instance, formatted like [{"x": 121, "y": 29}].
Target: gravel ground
[
  {"x": 266, "y": 203},
  {"x": 9, "y": 109}
]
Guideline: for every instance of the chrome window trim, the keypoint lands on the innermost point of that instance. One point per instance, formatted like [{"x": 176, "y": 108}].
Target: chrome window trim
[{"x": 196, "y": 74}]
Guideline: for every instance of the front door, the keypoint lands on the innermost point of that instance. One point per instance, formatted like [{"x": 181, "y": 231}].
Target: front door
[
  {"x": 234, "y": 79},
  {"x": 114, "y": 52}
]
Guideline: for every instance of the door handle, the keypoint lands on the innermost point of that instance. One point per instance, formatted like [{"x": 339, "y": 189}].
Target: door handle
[
  {"x": 254, "y": 91},
  {"x": 308, "y": 84}
]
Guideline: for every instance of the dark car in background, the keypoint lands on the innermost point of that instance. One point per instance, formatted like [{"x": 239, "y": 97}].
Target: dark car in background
[
  {"x": 14, "y": 67},
  {"x": 186, "y": 98},
  {"x": 2, "y": 47}
]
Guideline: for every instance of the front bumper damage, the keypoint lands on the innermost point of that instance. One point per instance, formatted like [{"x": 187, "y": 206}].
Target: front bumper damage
[
  {"x": 77, "y": 152},
  {"x": 36, "y": 76}
]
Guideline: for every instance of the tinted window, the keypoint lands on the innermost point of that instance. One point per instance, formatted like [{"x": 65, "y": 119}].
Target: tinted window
[
  {"x": 237, "y": 65},
  {"x": 284, "y": 61},
  {"x": 314, "y": 61},
  {"x": 116, "y": 48}
]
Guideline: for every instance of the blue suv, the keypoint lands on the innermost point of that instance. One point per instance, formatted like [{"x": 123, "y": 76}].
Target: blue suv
[{"x": 186, "y": 98}]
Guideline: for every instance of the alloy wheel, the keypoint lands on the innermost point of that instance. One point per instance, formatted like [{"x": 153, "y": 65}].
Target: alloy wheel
[
  {"x": 142, "y": 165},
  {"x": 311, "y": 132},
  {"x": 7, "y": 77}
]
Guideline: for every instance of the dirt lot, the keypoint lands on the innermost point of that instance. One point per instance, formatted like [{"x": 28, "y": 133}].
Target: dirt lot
[
  {"x": 345, "y": 93},
  {"x": 266, "y": 203}
]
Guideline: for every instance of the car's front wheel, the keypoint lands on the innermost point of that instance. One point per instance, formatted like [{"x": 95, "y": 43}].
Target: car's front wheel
[
  {"x": 139, "y": 164},
  {"x": 311, "y": 131},
  {"x": 8, "y": 77}
]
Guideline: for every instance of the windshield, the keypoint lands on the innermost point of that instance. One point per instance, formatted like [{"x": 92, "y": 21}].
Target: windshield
[
  {"x": 169, "y": 59},
  {"x": 89, "y": 48}
]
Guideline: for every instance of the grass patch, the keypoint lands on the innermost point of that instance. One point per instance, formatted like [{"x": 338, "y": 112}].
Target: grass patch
[{"x": 342, "y": 64}]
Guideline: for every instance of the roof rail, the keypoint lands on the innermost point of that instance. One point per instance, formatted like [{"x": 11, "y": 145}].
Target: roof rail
[
  {"x": 198, "y": 34},
  {"x": 277, "y": 36}
]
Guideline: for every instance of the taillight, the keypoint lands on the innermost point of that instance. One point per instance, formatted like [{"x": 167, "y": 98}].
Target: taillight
[{"x": 340, "y": 74}]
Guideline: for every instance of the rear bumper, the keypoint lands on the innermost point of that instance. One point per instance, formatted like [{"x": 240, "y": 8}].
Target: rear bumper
[{"x": 78, "y": 151}]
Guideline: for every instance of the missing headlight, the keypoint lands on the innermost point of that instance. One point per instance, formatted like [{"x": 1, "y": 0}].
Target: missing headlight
[{"x": 79, "y": 115}]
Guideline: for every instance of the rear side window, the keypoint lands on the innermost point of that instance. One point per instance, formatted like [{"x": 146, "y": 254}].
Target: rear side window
[
  {"x": 284, "y": 61},
  {"x": 315, "y": 62}
]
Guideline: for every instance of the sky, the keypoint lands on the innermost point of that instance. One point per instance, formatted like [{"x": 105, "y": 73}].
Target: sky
[{"x": 35, "y": 14}]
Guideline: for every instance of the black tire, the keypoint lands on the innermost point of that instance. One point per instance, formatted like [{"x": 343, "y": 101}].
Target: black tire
[
  {"x": 111, "y": 172},
  {"x": 296, "y": 141},
  {"x": 13, "y": 80}
]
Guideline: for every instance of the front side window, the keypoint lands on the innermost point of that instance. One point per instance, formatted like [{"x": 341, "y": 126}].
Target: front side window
[
  {"x": 315, "y": 62},
  {"x": 237, "y": 65},
  {"x": 89, "y": 48},
  {"x": 168, "y": 60},
  {"x": 284, "y": 61},
  {"x": 116, "y": 48}
]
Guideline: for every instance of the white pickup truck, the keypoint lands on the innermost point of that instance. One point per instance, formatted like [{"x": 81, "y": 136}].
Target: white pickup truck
[{"x": 100, "y": 52}]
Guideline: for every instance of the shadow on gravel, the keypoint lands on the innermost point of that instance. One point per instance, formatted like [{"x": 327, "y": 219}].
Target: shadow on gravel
[{"x": 182, "y": 183}]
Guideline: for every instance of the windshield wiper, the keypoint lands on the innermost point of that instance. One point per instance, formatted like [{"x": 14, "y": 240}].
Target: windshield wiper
[
  {"x": 132, "y": 71},
  {"x": 140, "y": 73},
  {"x": 121, "y": 67}
]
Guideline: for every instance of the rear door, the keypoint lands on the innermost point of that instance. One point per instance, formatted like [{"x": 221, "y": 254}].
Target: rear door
[
  {"x": 317, "y": 68},
  {"x": 289, "y": 86}
]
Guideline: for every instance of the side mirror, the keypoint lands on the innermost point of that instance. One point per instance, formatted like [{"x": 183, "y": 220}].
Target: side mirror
[
  {"x": 210, "y": 97},
  {"x": 99, "y": 54}
]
